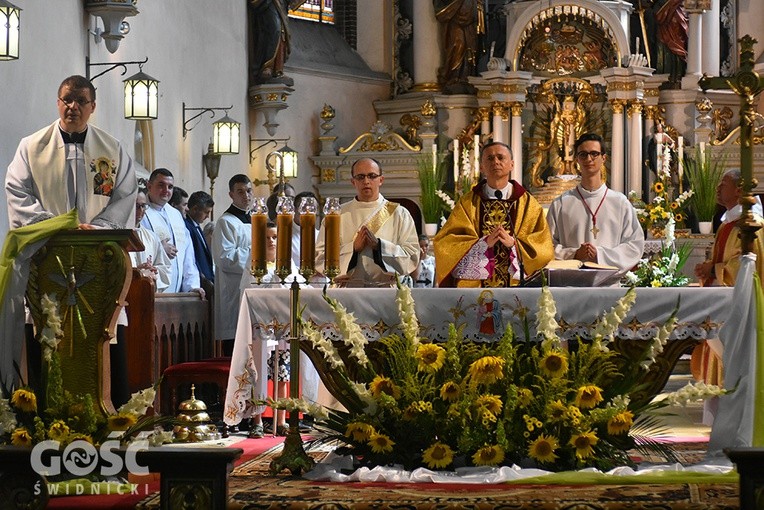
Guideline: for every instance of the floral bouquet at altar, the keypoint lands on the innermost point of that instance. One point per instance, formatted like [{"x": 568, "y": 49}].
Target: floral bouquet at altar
[
  {"x": 543, "y": 403},
  {"x": 663, "y": 269}
]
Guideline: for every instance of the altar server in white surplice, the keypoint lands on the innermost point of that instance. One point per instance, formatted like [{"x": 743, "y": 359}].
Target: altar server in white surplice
[
  {"x": 231, "y": 245},
  {"x": 71, "y": 164},
  {"x": 152, "y": 261},
  {"x": 378, "y": 238},
  {"x": 591, "y": 222},
  {"x": 167, "y": 223}
]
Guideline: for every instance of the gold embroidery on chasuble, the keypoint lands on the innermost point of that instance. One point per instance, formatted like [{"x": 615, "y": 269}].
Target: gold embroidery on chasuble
[{"x": 494, "y": 213}]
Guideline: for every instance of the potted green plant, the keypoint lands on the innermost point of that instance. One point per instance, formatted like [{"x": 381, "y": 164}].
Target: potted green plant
[
  {"x": 703, "y": 175},
  {"x": 431, "y": 179}
]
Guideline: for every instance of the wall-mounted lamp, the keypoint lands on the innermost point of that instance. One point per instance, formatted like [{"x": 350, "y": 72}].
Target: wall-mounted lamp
[
  {"x": 211, "y": 162},
  {"x": 266, "y": 141},
  {"x": 278, "y": 164},
  {"x": 9, "y": 30},
  {"x": 225, "y": 131},
  {"x": 113, "y": 14},
  {"x": 141, "y": 90}
]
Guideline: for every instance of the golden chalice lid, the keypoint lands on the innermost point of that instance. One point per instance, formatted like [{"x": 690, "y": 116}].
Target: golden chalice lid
[
  {"x": 192, "y": 404},
  {"x": 194, "y": 417}
]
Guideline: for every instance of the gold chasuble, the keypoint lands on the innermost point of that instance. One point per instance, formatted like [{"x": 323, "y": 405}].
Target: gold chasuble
[{"x": 473, "y": 218}]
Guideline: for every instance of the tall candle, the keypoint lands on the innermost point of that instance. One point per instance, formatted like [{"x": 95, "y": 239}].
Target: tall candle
[
  {"x": 476, "y": 156},
  {"x": 258, "y": 242},
  {"x": 702, "y": 151},
  {"x": 456, "y": 162},
  {"x": 307, "y": 241},
  {"x": 680, "y": 158},
  {"x": 332, "y": 240},
  {"x": 284, "y": 241},
  {"x": 434, "y": 157}
]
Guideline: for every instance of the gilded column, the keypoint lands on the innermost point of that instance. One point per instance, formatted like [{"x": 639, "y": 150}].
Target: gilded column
[
  {"x": 505, "y": 125},
  {"x": 485, "y": 120},
  {"x": 616, "y": 146},
  {"x": 634, "y": 174},
  {"x": 517, "y": 140},
  {"x": 427, "y": 45}
]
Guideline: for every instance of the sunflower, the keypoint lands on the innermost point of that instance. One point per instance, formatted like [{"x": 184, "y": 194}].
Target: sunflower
[
  {"x": 21, "y": 437},
  {"x": 658, "y": 187},
  {"x": 58, "y": 430},
  {"x": 359, "y": 431},
  {"x": 24, "y": 400},
  {"x": 620, "y": 423},
  {"x": 556, "y": 411},
  {"x": 121, "y": 421},
  {"x": 678, "y": 218},
  {"x": 80, "y": 437},
  {"x": 489, "y": 456},
  {"x": 438, "y": 455},
  {"x": 524, "y": 397},
  {"x": 487, "y": 370},
  {"x": 584, "y": 443},
  {"x": 450, "y": 391},
  {"x": 491, "y": 403},
  {"x": 542, "y": 448},
  {"x": 554, "y": 364},
  {"x": 382, "y": 384},
  {"x": 381, "y": 443},
  {"x": 430, "y": 357},
  {"x": 588, "y": 396}
]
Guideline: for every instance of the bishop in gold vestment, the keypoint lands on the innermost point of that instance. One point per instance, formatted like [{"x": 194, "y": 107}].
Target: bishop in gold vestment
[{"x": 463, "y": 259}]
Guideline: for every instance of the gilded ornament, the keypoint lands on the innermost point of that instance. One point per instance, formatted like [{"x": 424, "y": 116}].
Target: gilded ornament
[
  {"x": 617, "y": 105},
  {"x": 272, "y": 97},
  {"x": 428, "y": 109},
  {"x": 328, "y": 175},
  {"x": 704, "y": 105},
  {"x": 327, "y": 113}
]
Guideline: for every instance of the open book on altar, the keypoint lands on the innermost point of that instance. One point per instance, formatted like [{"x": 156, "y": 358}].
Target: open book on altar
[{"x": 574, "y": 273}]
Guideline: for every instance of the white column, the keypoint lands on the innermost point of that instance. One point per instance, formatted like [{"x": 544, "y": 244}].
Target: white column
[
  {"x": 485, "y": 120},
  {"x": 427, "y": 45},
  {"x": 710, "y": 59},
  {"x": 694, "y": 51},
  {"x": 634, "y": 116},
  {"x": 498, "y": 133},
  {"x": 517, "y": 141},
  {"x": 616, "y": 149}
]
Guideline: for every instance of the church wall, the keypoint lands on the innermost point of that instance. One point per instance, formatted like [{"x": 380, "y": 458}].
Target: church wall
[
  {"x": 198, "y": 53},
  {"x": 352, "y": 100}
]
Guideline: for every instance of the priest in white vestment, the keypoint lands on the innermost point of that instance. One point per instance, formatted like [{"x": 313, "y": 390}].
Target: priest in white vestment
[
  {"x": 152, "y": 261},
  {"x": 378, "y": 238},
  {"x": 591, "y": 222},
  {"x": 231, "y": 247},
  {"x": 168, "y": 224}
]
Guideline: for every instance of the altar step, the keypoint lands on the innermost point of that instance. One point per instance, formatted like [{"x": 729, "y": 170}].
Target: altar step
[{"x": 680, "y": 376}]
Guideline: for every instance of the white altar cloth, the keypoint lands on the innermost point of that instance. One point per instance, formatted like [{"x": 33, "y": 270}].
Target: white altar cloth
[{"x": 485, "y": 313}]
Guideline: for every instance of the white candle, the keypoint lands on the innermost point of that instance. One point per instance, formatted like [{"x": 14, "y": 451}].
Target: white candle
[
  {"x": 680, "y": 157},
  {"x": 456, "y": 161},
  {"x": 702, "y": 151},
  {"x": 475, "y": 156},
  {"x": 434, "y": 157}
]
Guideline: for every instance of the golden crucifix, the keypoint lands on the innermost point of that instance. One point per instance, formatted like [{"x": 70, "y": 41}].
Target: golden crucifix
[{"x": 747, "y": 84}]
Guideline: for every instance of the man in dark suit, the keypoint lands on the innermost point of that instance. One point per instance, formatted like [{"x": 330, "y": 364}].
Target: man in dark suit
[{"x": 199, "y": 208}]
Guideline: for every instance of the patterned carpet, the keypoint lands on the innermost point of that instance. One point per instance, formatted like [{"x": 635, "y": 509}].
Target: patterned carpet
[{"x": 252, "y": 487}]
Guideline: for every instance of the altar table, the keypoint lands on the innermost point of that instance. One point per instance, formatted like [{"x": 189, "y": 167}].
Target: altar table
[{"x": 484, "y": 313}]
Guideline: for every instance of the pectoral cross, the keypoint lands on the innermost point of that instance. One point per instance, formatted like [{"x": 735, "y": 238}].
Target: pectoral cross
[
  {"x": 595, "y": 231},
  {"x": 747, "y": 84}
]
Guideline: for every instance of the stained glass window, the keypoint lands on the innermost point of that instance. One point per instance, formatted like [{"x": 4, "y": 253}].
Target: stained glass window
[{"x": 315, "y": 10}]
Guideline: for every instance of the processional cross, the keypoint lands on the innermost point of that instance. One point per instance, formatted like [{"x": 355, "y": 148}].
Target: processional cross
[{"x": 747, "y": 84}]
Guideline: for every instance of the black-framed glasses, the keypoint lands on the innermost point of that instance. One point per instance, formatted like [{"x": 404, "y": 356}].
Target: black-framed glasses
[
  {"x": 362, "y": 177},
  {"x": 70, "y": 101},
  {"x": 583, "y": 155}
]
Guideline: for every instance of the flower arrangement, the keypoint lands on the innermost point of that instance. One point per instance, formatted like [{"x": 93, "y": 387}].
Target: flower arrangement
[
  {"x": 664, "y": 269},
  {"x": 431, "y": 179},
  {"x": 703, "y": 175},
  {"x": 545, "y": 403},
  {"x": 655, "y": 215},
  {"x": 68, "y": 417}
]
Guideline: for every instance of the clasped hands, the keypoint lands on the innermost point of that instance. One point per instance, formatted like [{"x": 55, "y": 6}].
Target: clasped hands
[
  {"x": 499, "y": 235},
  {"x": 587, "y": 252},
  {"x": 364, "y": 238}
]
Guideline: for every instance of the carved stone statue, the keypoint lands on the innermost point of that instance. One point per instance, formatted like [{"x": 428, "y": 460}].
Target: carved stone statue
[
  {"x": 672, "y": 38},
  {"x": 269, "y": 40},
  {"x": 461, "y": 23}
]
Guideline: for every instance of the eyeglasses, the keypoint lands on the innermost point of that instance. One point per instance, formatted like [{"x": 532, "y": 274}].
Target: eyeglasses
[
  {"x": 69, "y": 102},
  {"x": 141, "y": 207},
  {"x": 362, "y": 177},
  {"x": 583, "y": 155}
]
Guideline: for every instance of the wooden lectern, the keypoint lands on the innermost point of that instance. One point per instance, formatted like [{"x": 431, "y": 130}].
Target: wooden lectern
[{"x": 87, "y": 272}]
